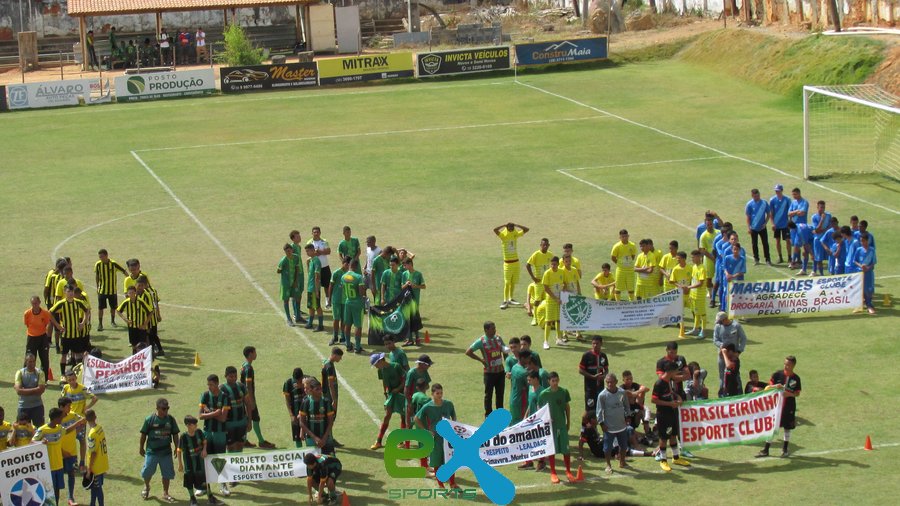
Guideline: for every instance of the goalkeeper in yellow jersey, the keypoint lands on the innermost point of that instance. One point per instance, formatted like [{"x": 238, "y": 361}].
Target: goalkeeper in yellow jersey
[{"x": 509, "y": 236}]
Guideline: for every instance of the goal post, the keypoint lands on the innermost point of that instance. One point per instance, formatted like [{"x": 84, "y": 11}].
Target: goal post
[{"x": 850, "y": 129}]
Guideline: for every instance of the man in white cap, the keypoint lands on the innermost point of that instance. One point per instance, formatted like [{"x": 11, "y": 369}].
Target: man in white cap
[{"x": 727, "y": 332}]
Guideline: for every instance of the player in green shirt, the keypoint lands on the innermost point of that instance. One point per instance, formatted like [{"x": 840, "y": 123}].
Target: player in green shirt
[
  {"x": 214, "y": 406},
  {"x": 290, "y": 290},
  {"x": 237, "y": 423},
  {"x": 526, "y": 345},
  {"x": 248, "y": 378},
  {"x": 298, "y": 257},
  {"x": 294, "y": 394},
  {"x": 317, "y": 417},
  {"x": 391, "y": 376},
  {"x": 313, "y": 287},
  {"x": 395, "y": 354},
  {"x": 380, "y": 264},
  {"x": 420, "y": 371},
  {"x": 336, "y": 296},
  {"x": 518, "y": 396},
  {"x": 354, "y": 294},
  {"x": 192, "y": 449},
  {"x": 413, "y": 279},
  {"x": 428, "y": 417},
  {"x": 391, "y": 281},
  {"x": 322, "y": 471},
  {"x": 349, "y": 248},
  {"x": 330, "y": 382},
  {"x": 558, "y": 399},
  {"x": 512, "y": 358}
]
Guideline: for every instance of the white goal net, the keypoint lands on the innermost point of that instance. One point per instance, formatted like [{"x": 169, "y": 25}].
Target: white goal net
[{"x": 850, "y": 129}]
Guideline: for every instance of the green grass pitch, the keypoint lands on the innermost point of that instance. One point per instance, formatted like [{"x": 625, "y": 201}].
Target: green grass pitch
[{"x": 204, "y": 192}]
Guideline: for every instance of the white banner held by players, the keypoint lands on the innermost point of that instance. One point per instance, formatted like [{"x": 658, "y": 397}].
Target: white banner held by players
[
  {"x": 25, "y": 479},
  {"x": 783, "y": 297},
  {"x": 730, "y": 421},
  {"x": 229, "y": 467},
  {"x": 582, "y": 313},
  {"x": 532, "y": 438},
  {"x": 133, "y": 373}
]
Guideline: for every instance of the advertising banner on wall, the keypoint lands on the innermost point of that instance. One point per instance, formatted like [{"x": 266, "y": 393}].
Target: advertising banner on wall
[
  {"x": 287, "y": 76},
  {"x": 562, "y": 51},
  {"x": 354, "y": 69},
  {"x": 50, "y": 93},
  {"x": 183, "y": 83},
  {"x": 25, "y": 480},
  {"x": 462, "y": 61}
]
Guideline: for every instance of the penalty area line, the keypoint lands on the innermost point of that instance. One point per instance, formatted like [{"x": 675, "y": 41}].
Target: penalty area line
[{"x": 249, "y": 277}]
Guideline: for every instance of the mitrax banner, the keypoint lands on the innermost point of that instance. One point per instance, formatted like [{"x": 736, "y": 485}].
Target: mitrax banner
[
  {"x": 365, "y": 68},
  {"x": 133, "y": 373},
  {"x": 530, "y": 439},
  {"x": 25, "y": 476},
  {"x": 795, "y": 296},
  {"x": 462, "y": 61},
  {"x": 183, "y": 83},
  {"x": 232, "y": 467},
  {"x": 581, "y": 313},
  {"x": 562, "y": 51},
  {"x": 730, "y": 420}
]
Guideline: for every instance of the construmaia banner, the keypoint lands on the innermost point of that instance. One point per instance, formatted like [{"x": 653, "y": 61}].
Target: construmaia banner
[
  {"x": 730, "y": 420},
  {"x": 581, "y": 313},
  {"x": 133, "y": 373},
  {"x": 530, "y": 439},
  {"x": 562, "y": 51},
  {"x": 795, "y": 296},
  {"x": 231, "y": 467}
]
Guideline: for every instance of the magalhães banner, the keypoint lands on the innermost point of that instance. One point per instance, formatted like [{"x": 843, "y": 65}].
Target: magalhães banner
[
  {"x": 353, "y": 69},
  {"x": 730, "y": 421},
  {"x": 562, "y": 51},
  {"x": 532, "y": 438},
  {"x": 25, "y": 476},
  {"x": 583, "y": 313},
  {"x": 286, "y": 76},
  {"x": 783, "y": 297},
  {"x": 132, "y": 373},
  {"x": 50, "y": 94},
  {"x": 231, "y": 467},
  {"x": 157, "y": 85},
  {"x": 463, "y": 61}
]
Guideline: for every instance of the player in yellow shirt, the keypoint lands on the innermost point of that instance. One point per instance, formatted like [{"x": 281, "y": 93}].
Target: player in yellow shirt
[
  {"x": 134, "y": 272},
  {"x": 667, "y": 263},
  {"x": 568, "y": 251},
  {"x": 553, "y": 282},
  {"x": 6, "y": 430},
  {"x": 571, "y": 284},
  {"x": 656, "y": 285},
  {"x": 707, "y": 240},
  {"x": 538, "y": 263},
  {"x": 623, "y": 255},
  {"x": 698, "y": 289},
  {"x": 604, "y": 284},
  {"x": 22, "y": 431},
  {"x": 51, "y": 435},
  {"x": 69, "y": 447},
  {"x": 645, "y": 269},
  {"x": 98, "y": 458},
  {"x": 67, "y": 278},
  {"x": 509, "y": 236},
  {"x": 680, "y": 277}
]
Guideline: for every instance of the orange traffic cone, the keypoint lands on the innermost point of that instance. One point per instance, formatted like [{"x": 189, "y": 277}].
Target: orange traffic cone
[
  {"x": 427, "y": 337},
  {"x": 868, "y": 445},
  {"x": 49, "y": 374},
  {"x": 579, "y": 476},
  {"x": 887, "y": 300},
  {"x": 197, "y": 359},
  {"x": 346, "y": 499}
]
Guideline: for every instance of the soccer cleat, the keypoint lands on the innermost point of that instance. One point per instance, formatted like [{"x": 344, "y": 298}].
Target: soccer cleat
[
  {"x": 114, "y": 324},
  {"x": 700, "y": 334},
  {"x": 540, "y": 466},
  {"x": 665, "y": 466},
  {"x": 762, "y": 453},
  {"x": 349, "y": 349},
  {"x": 801, "y": 273},
  {"x": 871, "y": 310},
  {"x": 320, "y": 328},
  {"x": 756, "y": 262},
  {"x": 504, "y": 304},
  {"x": 546, "y": 345},
  {"x": 300, "y": 319},
  {"x": 560, "y": 342},
  {"x": 554, "y": 478},
  {"x": 333, "y": 341},
  {"x": 224, "y": 490},
  {"x": 266, "y": 444},
  {"x": 213, "y": 500},
  {"x": 527, "y": 465},
  {"x": 359, "y": 350},
  {"x": 199, "y": 492},
  {"x": 688, "y": 454},
  {"x": 659, "y": 457},
  {"x": 376, "y": 446},
  {"x": 693, "y": 332},
  {"x": 248, "y": 444},
  {"x": 534, "y": 322},
  {"x": 308, "y": 325},
  {"x": 682, "y": 462},
  {"x": 785, "y": 454},
  {"x": 514, "y": 302},
  {"x": 290, "y": 323},
  {"x": 769, "y": 263},
  {"x": 100, "y": 328},
  {"x": 570, "y": 477}
]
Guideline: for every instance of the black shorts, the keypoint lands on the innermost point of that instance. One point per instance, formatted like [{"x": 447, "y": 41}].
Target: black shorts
[
  {"x": 254, "y": 415},
  {"x": 782, "y": 233},
  {"x": 36, "y": 343},
  {"x": 136, "y": 336},
  {"x": 590, "y": 398},
  {"x": 295, "y": 431},
  {"x": 325, "y": 278},
  {"x": 788, "y": 420},
  {"x": 236, "y": 434},
  {"x": 112, "y": 299},
  {"x": 667, "y": 426},
  {"x": 195, "y": 481},
  {"x": 75, "y": 344}
]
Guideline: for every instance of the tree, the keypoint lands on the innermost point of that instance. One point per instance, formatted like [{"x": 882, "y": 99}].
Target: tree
[{"x": 239, "y": 50}]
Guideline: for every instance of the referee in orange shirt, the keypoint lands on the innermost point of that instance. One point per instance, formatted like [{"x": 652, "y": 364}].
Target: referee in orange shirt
[{"x": 37, "y": 323}]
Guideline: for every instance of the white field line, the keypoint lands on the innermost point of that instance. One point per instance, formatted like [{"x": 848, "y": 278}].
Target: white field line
[
  {"x": 657, "y": 162},
  {"x": 704, "y": 146},
  {"x": 229, "y": 311},
  {"x": 252, "y": 281},
  {"x": 892, "y": 276},
  {"x": 55, "y": 253},
  {"x": 371, "y": 134}
]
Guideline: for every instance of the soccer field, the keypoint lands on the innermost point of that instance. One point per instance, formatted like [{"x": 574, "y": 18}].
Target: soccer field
[{"x": 204, "y": 193}]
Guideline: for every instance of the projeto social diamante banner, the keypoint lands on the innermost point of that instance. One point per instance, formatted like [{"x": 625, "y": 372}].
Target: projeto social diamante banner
[
  {"x": 183, "y": 83},
  {"x": 795, "y": 296},
  {"x": 463, "y": 61},
  {"x": 50, "y": 93},
  {"x": 532, "y": 438},
  {"x": 133, "y": 373},
  {"x": 355, "y": 69},
  {"x": 731, "y": 420},
  {"x": 25, "y": 476},
  {"x": 562, "y": 51},
  {"x": 231, "y": 467},
  {"x": 269, "y": 77},
  {"x": 582, "y": 313}
]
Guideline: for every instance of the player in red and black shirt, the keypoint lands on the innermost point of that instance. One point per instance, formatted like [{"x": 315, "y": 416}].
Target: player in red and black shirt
[
  {"x": 594, "y": 366},
  {"x": 790, "y": 382},
  {"x": 754, "y": 385},
  {"x": 681, "y": 367},
  {"x": 667, "y": 401},
  {"x": 294, "y": 394},
  {"x": 636, "y": 394}
]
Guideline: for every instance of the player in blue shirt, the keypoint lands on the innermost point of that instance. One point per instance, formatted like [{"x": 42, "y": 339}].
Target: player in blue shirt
[
  {"x": 802, "y": 237},
  {"x": 864, "y": 227},
  {"x": 726, "y": 251},
  {"x": 821, "y": 225},
  {"x": 864, "y": 259},
  {"x": 702, "y": 226},
  {"x": 717, "y": 273},
  {"x": 830, "y": 244},
  {"x": 778, "y": 212},
  {"x": 723, "y": 249},
  {"x": 757, "y": 211},
  {"x": 735, "y": 267},
  {"x": 797, "y": 212},
  {"x": 851, "y": 243}
]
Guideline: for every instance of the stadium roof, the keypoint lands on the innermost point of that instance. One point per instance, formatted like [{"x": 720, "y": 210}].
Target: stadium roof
[{"x": 108, "y": 7}]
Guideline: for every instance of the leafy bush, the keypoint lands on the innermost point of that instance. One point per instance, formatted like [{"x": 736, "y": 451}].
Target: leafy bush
[{"x": 239, "y": 50}]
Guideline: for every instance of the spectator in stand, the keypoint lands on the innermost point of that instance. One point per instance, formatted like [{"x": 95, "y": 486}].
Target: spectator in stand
[
  {"x": 165, "y": 49},
  {"x": 92, "y": 53},
  {"x": 200, "y": 41},
  {"x": 184, "y": 46}
]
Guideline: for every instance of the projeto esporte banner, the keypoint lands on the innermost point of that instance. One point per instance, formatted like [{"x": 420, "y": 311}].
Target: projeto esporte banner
[
  {"x": 231, "y": 467},
  {"x": 795, "y": 296},
  {"x": 582, "y": 313},
  {"x": 25, "y": 477},
  {"x": 353, "y": 69},
  {"x": 730, "y": 421},
  {"x": 132, "y": 373},
  {"x": 532, "y": 438}
]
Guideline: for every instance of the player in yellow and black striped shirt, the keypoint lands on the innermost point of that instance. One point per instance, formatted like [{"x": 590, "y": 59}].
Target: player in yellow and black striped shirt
[
  {"x": 136, "y": 313},
  {"x": 149, "y": 295},
  {"x": 53, "y": 277},
  {"x": 105, "y": 276},
  {"x": 73, "y": 316}
]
